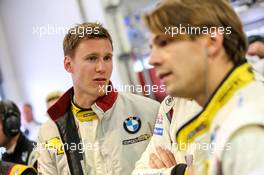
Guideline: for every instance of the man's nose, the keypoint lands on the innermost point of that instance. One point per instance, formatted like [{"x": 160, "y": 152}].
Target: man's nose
[
  {"x": 100, "y": 66},
  {"x": 155, "y": 58}
]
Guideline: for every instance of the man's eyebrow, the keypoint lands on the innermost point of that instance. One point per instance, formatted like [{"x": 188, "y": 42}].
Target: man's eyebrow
[
  {"x": 91, "y": 54},
  {"x": 160, "y": 37},
  {"x": 97, "y": 54},
  {"x": 156, "y": 39},
  {"x": 88, "y": 55},
  {"x": 153, "y": 40},
  {"x": 109, "y": 54}
]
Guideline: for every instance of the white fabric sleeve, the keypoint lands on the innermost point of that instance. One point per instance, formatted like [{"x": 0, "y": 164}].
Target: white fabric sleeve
[
  {"x": 246, "y": 156},
  {"x": 46, "y": 165},
  {"x": 163, "y": 140}
]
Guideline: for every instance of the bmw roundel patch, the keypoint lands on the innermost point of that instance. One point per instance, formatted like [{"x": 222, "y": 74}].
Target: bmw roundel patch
[{"x": 132, "y": 124}]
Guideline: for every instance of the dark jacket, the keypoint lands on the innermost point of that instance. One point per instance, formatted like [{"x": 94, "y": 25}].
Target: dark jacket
[
  {"x": 23, "y": 153},
  {"x": 7, "y": 168}
]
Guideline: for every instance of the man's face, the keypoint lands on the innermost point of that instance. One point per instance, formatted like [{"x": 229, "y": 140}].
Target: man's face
[
  {"x": 180, "y": 64},
  {"x": 27, "y": 113},
  {"x": 91, "y": 67}
]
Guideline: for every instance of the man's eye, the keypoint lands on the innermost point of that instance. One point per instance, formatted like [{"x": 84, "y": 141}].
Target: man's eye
[
  {"x": 107, "y": 58},
  {"x": 92, "y": 58},
  {"x": 163, "y": 42}
]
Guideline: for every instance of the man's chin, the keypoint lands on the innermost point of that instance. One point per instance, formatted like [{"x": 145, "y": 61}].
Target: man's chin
[
  {"x": 101, "y": 91},
  {"x": 170, "y": 90},
  {"x": 101, "y": 94},
  {"x": 173, "y": 92}
]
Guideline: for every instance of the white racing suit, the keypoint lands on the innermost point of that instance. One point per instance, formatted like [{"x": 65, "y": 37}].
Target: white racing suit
[
  {"x": 225, "y": 138},
  {"x": 173, "y": 113},
  {"x": 111, "y": 144}
]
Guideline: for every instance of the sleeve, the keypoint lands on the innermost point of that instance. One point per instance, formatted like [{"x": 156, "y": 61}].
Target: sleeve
[
  {"x": 46, "y": 164},
  {"x": 33, "y": 156},
  {"x": 161, "y": 137},
  {"x": 246, "y": 156}
]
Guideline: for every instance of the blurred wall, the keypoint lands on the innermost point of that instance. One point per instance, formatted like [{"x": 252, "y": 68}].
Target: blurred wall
[{"x": 31, "y": 47}]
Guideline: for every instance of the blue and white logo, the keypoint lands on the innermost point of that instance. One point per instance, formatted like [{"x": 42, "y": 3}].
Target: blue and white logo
[
  {"x": 132, "y": 124},
  {"x": 158, "y": 131}
]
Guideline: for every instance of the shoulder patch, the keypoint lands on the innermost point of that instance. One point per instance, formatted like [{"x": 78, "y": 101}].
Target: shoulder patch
[
  {"x": 55, "y": 144},
  {"x": 169, "y": 101}
]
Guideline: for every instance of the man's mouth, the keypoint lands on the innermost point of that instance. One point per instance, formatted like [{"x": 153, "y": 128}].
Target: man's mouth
[
  {"x": 163, "y": 76},
  {"x": 100, "y": 80}
]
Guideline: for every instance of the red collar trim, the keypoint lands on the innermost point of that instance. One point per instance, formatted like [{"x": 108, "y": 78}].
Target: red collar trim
[
  {"x": 63, "y": 104},
  {"x": 107, "y": 101}
]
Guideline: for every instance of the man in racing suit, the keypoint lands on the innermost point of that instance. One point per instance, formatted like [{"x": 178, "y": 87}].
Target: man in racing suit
[
  {"x": 173, "y": 114},
  {"x": 8, "y": 168},
  {"x": 226, "y": 137},
  {"x": 93, "y": 129},
  {"x": 19, "y": 149}
]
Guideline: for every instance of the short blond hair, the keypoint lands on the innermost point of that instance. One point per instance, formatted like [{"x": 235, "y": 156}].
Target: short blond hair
[
  {"x": 83, "y": 31},
  {"x": 201, "y": 13},
  {"x": 53, "y": 95}
]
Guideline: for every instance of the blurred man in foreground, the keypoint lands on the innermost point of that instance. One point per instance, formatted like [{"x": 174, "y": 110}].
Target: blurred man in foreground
[{"x": 198, "y": 50}]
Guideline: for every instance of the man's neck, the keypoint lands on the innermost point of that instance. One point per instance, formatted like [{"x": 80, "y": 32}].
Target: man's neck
[
  {"x": 84, "y": 100},
  {"x": 12, "y": 141},
  {"x": 217, "y": 71}
]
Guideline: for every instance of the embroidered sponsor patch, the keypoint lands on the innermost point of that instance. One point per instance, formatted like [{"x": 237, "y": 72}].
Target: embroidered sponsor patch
[
  {"x": 132, "y": 124},
  {"x": 141, "y": 138},
  {"x": 201, "y": 127},
  {"x": 55, "y": 144},
  {"x": 169, "y": 101},
  {"x": 21, "y": 169},
  {"x": 158, "y": 131},
  {"x": 159, "y": 119}
]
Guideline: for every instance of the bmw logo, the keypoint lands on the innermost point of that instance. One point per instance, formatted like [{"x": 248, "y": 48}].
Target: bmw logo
[{"x": 132, "y": 124}]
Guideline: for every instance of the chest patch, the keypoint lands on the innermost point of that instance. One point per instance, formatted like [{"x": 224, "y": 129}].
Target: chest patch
[{"x": 132, "y": 124}]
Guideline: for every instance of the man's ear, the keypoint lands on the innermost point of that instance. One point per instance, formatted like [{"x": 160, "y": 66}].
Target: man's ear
[
  {"x": 68, "y": 64},
  {"x": 215, "y": 44}
]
